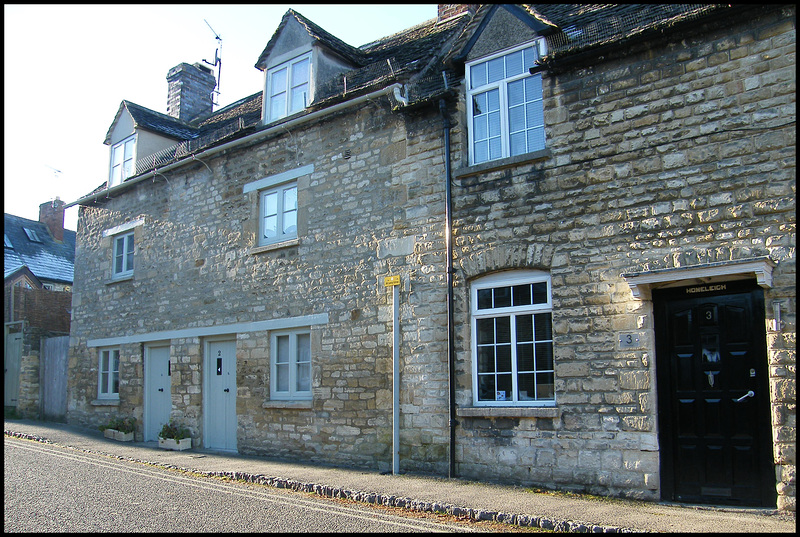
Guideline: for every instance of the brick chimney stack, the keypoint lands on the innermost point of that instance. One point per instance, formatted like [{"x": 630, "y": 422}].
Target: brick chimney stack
[
  {"x": 190, "y": 91},
  {"x": 448, "y": 11},
  {"x": 51, "y": 213}
]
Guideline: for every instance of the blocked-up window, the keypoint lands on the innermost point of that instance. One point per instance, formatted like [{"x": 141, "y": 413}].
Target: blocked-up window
[
  {"x": 504, "y": 104},
  {"x": 512, "y": 340}
]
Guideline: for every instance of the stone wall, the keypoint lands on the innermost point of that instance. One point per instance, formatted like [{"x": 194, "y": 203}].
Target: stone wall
[
  {"x": 672, "y": 156},
  {"x": 372, "y": 207}
]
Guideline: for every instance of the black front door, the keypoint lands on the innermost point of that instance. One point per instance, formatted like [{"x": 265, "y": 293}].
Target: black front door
[{"x": 713, "y": 395}]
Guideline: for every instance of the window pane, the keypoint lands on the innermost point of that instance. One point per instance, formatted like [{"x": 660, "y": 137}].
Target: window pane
[
  {"x": 290, "y": 211},
  {"x": 119, "y": 255},
  {"x": 282, "y": 377},
  {"x": 534, "y": 116},
  {"x": 485, "y": 331},
  {"x": 525, "y": 357},
  {"x": 544, "y": 356},
  {"x": 104, "y": 383},
  {"x": 544, "y": 326},
  {"x": 518, "y": 144},
  {"x": 299, "y": 98},
  {"x": 503, "y": 357},
  {"x": 481, "y": 151},
  {"x": 516, "y": 93},
  {"x": 493, "y": 101},
  {"x": 504, "y": 388},
  {"x": 277, "y": 106},
  {"x": 540, "y": 293},
  {"x": 478, "y": 75},
  {"x": 484, "y": 299},
  {"x": 496, "y": 69},
  {"x": 495, "y": 148},
  {"x": 502, "y": 297},
  {"x": 129, "y": 145},
  {"x": 115, "y": 383},
  {"x": 514, "y": 64},
  {"x": 536, "y": 139},
  {"x": 282, "y": 351},
  {"x": 304, "y": 378},
  {"x": 516, "y": 119},
  {"x": 522, "y": 295},
  {"x": 531, "y": 54},
  {"x": 486, "y": 385},
  {"x": 486, "y": 359},
  {"x": 526, "y": 387},
  {"x": 544, "y": 386},
  {"x": 303, "y": 348},
  {"x": 278, "y": 82},
  {"x": 533, "y": 88},
  {"x": 481, "y": 126},
  {"x": 479, "y": 104},
  {"x": 524, "y": 328},
  {"x": 300, "y": 72},
  {"x": 503, "y": 330}
]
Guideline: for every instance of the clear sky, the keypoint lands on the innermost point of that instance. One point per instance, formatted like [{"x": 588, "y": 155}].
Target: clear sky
[{"x": 68, "y": 67}]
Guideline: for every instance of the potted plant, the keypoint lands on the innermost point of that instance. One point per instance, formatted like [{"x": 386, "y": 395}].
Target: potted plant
[
  {"x": 174, "y": 437},
  {"x": 121, "y": 429}
]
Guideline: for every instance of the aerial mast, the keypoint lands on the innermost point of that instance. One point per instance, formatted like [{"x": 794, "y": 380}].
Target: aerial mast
[{"x": 217, "y": 63}]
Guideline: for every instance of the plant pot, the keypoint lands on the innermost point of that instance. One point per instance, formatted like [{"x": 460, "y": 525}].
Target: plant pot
[
  {"x": 175, "y": 445},
  {"x": 123, "y": 437},
  {"x": 109, "y": 433}
]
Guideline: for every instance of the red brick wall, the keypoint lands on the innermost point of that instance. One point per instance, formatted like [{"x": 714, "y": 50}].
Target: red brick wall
[{"x": 49, "y": 310}]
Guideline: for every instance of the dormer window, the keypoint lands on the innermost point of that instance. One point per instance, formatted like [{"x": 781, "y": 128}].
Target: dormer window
[
  {"x": 288, "y": 87},
  {"x": 122, "y": 160}
]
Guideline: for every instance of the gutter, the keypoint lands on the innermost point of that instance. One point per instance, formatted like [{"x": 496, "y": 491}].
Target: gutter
[{"x": 388, "y": 90}]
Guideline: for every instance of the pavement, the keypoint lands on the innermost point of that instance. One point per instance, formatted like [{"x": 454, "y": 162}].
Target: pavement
[{"x": 480, "y": 501}]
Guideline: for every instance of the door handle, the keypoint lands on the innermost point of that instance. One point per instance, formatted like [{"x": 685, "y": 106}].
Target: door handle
[
  {"x": 750, "y": 393},
  {"x": 226, "y": 390},
  {"x": 161, "y": 389}
]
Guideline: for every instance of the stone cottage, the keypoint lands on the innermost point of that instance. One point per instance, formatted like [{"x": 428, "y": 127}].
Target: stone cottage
[{"x": 547, "y": 244}]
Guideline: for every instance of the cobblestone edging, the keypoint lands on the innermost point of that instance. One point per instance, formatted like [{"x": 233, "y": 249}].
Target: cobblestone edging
[{"x": 532, "y": 521}]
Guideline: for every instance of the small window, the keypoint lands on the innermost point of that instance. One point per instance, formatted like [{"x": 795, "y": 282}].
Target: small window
[
  {"x": 506, "y": 114},
  {"x": 108, "y": 374},
  {"x": 7, "y": 241},
  {"x": 278, "y": 214},
  {"x": 122, "y": 160},
  {"x": 288, "y": 87},
  {"x": 290, "y": 365},
  {"x": 512, "y": 340},
  {"x": 123, "y": 255},
  {"x": 32, "y": 236}
]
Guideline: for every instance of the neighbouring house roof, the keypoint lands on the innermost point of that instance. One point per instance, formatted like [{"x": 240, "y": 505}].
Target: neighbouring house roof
[{"x": 46, "y": 258}]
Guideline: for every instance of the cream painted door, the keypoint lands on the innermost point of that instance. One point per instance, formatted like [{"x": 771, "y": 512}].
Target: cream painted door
[
  {"x": 157, "y": 389},
  {"x": 219, "y": 412}
]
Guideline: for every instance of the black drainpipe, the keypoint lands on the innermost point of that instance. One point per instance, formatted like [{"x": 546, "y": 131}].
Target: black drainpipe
[{"x": 448, "y": 240}]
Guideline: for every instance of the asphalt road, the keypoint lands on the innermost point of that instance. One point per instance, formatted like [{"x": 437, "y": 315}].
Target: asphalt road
[{"x": 53, "y": 489}]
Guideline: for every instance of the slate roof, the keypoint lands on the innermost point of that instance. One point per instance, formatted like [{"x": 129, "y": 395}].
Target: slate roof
[
  {"x": 427, "y": 59},
  {"x": 48, "y": 260}
]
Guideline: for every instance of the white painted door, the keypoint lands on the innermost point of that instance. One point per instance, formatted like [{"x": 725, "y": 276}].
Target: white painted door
[
  {"x": 11, "y": 359},
  {"x": 220, "y": 396},
  {"x": 157, "y": 390}
]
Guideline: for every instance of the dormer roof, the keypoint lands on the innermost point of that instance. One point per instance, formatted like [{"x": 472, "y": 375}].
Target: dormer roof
[{"x": 144, "y": 118}]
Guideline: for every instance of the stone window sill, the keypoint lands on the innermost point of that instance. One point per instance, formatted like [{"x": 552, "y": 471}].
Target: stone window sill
[
  {"x": 276, "y": 246},
  {"x": 127, "y": 278},
  {"x": 508, "y": 412},
  {"x": 494, "y": 165},
  {"x": 105, "y": 402},
  {"x": 289, "y": 405}
]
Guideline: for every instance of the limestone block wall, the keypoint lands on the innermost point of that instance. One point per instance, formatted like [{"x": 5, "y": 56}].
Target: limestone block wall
[
  {"x": 373, "y": 206},
  {"x": 671, "y": 156}
]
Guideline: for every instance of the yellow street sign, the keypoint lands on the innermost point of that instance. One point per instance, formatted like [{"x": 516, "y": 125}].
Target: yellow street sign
[{"x": 390, "y": 281}]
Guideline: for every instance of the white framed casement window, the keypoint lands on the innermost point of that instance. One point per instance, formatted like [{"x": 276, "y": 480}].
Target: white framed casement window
[
  {"x": 504, "y": 104},
  {"x": 277, "y": 214},
  {"x": 123, "y": 255},
  {"x": 512, "y": 340},
  {"x": 123, "y": 158},
  {"x": 290, "y": 365},
  {"x": 108, "y": 374},
  {"x": 288, "y": 87}
]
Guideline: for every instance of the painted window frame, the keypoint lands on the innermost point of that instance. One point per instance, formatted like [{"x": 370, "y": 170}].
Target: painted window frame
[
  {"x": 281, "y": 215},
  {"x": 126, "y": 257},
  {"x": 538, "y": 311},
  {"x": 500, "y": 91},
  {"x": 108, "y": 365},
  {"x": 287, "y": 370},
  {"x": 293, "y": 87},
  {"x": 126, "y": 166}
]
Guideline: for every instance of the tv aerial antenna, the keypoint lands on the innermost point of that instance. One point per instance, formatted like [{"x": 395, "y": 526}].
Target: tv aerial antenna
[{"x": 217, "y": 63}]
